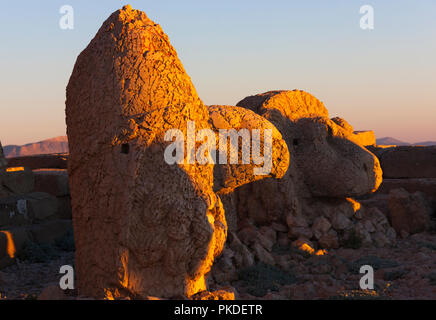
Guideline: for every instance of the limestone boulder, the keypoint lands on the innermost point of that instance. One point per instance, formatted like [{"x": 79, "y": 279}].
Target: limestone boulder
[
  {"x": 408, "y": 162},
  {"x": 13, "y": 211},
  {"x": 52, "y": 181},
  {"x": 343, "y": 123},
  {"x": 44, "y": 161},
  {"x": 424, "y": 185},
  {"x": 27, "y": 208},
  {"x": 52, "y": 292},
  {"x": 410, "y": 213},
  {"x": 56, "y": 183},
  {"x": 364, "y": 138},
  {"x": 320, "y": 227},
  {"x": 16, "y": 180}
]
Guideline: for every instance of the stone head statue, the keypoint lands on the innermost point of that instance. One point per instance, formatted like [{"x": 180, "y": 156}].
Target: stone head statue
[
  {"x": 325, "y": 161},
  {"x": 144, "y": 226}
]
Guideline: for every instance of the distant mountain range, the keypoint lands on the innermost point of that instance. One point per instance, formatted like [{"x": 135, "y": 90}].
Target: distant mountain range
[
  {"x": 392, "y": 141},
  {"x": 60, "y": 145},
  {"x": 54, "y": 145}
]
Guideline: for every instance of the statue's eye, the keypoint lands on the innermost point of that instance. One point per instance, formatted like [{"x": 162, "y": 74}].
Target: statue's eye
[{"x": 125, "y": 148}]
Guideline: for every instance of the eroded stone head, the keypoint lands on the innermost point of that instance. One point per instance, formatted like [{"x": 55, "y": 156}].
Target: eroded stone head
[
  {"x": 241, "y": 125},
  {"x": 142, "y": 227},
  {"x": 329, "y": 160},
  {"x": 332, "y": 165}
]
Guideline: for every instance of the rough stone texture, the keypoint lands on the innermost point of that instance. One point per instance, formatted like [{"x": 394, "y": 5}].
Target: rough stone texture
[
  {"x": 323, "y": 160},
  {"x": 409, "y": 212},
  {"x": 321, "y": 147},
  {"x": 64, "y": 208},
  {"x": 365, "y": 138},
  {"x": 3, "y": 162},
  {"x": 332, "y": 164},
  {"x": 52, "y": 292},
  {"x": 346, "y": 217},
  {"x": 329, "y": 241},
  {"x": 52, "y": 161},
  {"x": 327, "y": 166},
  {"x": 15, "y": 236},
  {"x": 343, "y": 123},
  {"x": 227, "y": 177},
  {"x": 292, "y": 105},
  {"x": 424, "y": 185},
  {"x": 320, "y": 227},
  {"x": 222, "y": 294},
  {"x": 379, "y": 201},
  {"x": 49, "y": 231},
  {"x": 13, "y": 211},
  {"x": 41, "y": 206},
  {"x": 16, "y": 180},
  {"x": 55, "y": 182},
  {"x": 142, "y": 227},
  {"x": 403, "y": 273},
  {"x": 408, "y": 162},
  {"x": 52, "y": 181},
  {"x": 27, "y": 208}
]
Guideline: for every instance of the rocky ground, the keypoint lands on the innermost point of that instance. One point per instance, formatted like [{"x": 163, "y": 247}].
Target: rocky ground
[
  {"x": 405, "y": 271},
  {"x": 27, "y": 279}
]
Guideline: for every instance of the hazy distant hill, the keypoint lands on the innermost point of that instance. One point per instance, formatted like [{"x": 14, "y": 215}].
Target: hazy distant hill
[
  {"x": 392, "y": 141},
  {"x": 425, "y": 143},
  {"x": 54, "y": 145},
  {"x": 60, "y": 145}
]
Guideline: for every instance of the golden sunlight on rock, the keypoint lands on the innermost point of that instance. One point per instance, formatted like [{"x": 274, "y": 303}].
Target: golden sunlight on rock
[
  {"x": 321, "y": 252},
  {"x": 162, "y": 197},
  {"x": 15, "y": 169},
  {"x": 10, "y": 245}
]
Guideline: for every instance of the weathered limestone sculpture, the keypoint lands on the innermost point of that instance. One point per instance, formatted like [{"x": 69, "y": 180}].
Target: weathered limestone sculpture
[
  {"x": 327, "y": 166},
  {"x": 142, "y": 227}
]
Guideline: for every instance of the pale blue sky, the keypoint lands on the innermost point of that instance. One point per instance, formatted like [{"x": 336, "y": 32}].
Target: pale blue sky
[{"x": 384, "y": 79}]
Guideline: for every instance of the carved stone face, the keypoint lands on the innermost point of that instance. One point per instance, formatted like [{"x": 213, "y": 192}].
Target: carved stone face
[
  {"x": 331, "y": 164},
  {"x": 324, "y": 160}
]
